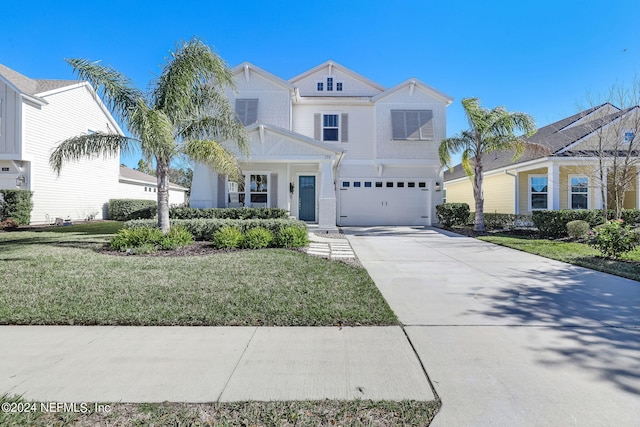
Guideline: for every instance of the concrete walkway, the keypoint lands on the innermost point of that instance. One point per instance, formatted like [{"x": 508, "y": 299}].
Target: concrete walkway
[
  {"x": 327, "y": 247},
  {"x": 509, "y": 338}
]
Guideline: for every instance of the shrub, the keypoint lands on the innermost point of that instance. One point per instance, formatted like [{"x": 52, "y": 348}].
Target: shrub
[
  {"x": 554, "y": 223},
  {"x": 614, "y": 238},
  {"x": 9, "y": 224},
  {"x": 493, "y": 221},
  {"x": 578, "y": 229},
  {"x": 227, "y": 238},
  {"x": 204, "y": 229},
  {"x": 182, "y": 212},
  {"x": 176, "y": 237},
  {"x": 16, "y": 204},
  {"x": 128, "y": 209},
  {"x": 141, "y": 238},
  {"x": 257, "y": 238},
  {"x": 631, "y": 216},
  {"x": 450, "y": 214},
  {"x": 291, "y": 237}
]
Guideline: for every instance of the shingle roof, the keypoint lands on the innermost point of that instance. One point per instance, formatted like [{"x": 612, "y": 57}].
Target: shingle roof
[
  {"x": 29, "y": 86},
  {"x": 553, "y": 137},
  {"x": 132, "y": 174}
]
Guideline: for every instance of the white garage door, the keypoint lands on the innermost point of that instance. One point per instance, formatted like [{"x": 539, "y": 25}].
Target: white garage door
[{"x": 384, "y": 202}]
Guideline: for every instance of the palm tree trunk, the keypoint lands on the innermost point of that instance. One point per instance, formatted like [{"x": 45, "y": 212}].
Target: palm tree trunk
[
  {"x": 478, "y": 196},
  {"x": 162, "y": 173}
]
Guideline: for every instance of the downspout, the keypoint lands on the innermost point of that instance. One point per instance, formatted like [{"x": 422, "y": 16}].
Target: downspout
[{"x": 516, "y": 209}]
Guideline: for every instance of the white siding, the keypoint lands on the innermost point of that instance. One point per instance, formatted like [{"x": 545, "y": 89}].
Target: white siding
[
  {"x": 387, "y": 148},
  {"x": 350, "y": 85},
  {"x": 83, "y": 187},
  {"x": 9, "y": 123},
  {"x": 274, "y": 101},
  {"x": 129, "y": 190}
]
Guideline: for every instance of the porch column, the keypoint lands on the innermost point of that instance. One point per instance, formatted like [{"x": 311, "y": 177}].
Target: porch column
[
  {"x": 327, "y": 199},
  {"x": 553, "y": 186}
]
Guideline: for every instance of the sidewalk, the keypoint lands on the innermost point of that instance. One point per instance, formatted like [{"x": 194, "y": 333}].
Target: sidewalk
[{"x": 208, "y": 364}]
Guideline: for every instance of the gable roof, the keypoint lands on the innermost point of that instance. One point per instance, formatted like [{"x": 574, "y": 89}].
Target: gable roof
[
  {"x": 31, "y": 87},
  {"x": 293, "y": 135},
  {"x": 342, "y": 69},
  {"x": 557, "y": 138},
  {"x": 412, "y": 81},
  {"x": 132, "y": 175},
  {"x": 247, "y": 66}
]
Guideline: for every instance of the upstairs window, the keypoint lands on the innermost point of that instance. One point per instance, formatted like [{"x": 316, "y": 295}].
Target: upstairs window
[
  {"x": 247, "y": 111},
  {"x": 413, "y": 125},
  {"x": 339, "y": 86},
  {"x": 330, "y": 127},
  {"x": 320, "y": 86},
  {"x": 329, "y": 83}
]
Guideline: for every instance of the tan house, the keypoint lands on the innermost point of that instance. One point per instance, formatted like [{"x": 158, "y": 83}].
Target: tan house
[{"x": 567, "y": 175}]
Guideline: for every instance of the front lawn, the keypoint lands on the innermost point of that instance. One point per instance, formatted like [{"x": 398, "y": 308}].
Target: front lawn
[
  {"x": 570, "y": 252},
  {"x": 59, "y": 276}
]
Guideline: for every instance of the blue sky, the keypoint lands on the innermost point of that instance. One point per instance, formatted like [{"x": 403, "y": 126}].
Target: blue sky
[{"x": 540, "y": 57}]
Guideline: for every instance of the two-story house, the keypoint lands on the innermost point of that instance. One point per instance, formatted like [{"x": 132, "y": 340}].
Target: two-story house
[{"x": 334, "y": 148}]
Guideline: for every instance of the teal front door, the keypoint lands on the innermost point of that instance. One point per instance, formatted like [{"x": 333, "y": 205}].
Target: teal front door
[{"x": 307, "y": 198}]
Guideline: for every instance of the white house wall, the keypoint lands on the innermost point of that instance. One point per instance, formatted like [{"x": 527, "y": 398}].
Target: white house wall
[
  {"x": 10, "y": 123},
  {"x": 83, "y": 187},
  {"x": 274, "y": 101},
  {"x": 350, "y": 85}
]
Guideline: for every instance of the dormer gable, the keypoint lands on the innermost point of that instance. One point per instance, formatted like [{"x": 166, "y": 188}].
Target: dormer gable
[
  {"x": 247, "y": 75},
  {"x": 410, "y": 86},
  {"x": 331, "y": 79}
]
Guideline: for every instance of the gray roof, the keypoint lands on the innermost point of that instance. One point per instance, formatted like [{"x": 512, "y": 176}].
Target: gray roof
[
  {"x": 550, "y": 140},
  {"x": 29, "y": 86},
  {"x": 135, "y": 175}
]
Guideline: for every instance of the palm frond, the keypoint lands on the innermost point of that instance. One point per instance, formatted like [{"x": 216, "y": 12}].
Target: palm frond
[
  {"x": 115, "y": 88},
  {"x": 217, "y": 128},
  {"x": 155, "y": 131},
  {"x": 462, "y": 142},
  {"x": 87, "y": 146},
  {"x": 213, "y": 155}
]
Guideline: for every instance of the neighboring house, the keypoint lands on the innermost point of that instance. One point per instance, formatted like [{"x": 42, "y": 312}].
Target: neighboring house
[
  {"x": 36, "y": 115},
  {"x": 334, "y": 148},
  {"x": 138, "y": 185},
  {"x": 567, "y": 175}
]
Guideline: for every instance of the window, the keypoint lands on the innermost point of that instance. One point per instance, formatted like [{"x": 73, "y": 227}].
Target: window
[
  {"x": 356, "y": 183},
  {"x": 400, "y": 185},
  {"x": 378, "y": 184},
  {"x": 5, "y": 169},
  {"x": 367, "y": 184},
  {"x": 330, "y": 127},
  {"x": 339, "y": 86},
  {"x": 389, "y": 184},
  {"x": 345, "y": 183},
  {"x": 538, "y": 191},
  {"x": 579, "y": 192},
  {"x": 258, "y": 189},
  {"x": 247, "y": 111},
  {"x": 411, "y": 184},
  {"x": 329, "y": 84},
  {"x": 422, "y": 184},
  {"x": 627, "y": 136},
  {"x": 320, "y": 86},
  {"x": 236, "y": 197},
  {"x": 444, "y": 196},
  {"x": 412, "y": 124}
]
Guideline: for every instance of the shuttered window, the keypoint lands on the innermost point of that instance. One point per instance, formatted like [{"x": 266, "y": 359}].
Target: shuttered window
[
  {"x": 331, "y": 127},
  {"x": 247, "y": 111},
  {"x": 416, "y": 125}
]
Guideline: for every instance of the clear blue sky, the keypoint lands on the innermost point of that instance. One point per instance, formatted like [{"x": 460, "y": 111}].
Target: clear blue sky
[{"x": 540, "y": 57}]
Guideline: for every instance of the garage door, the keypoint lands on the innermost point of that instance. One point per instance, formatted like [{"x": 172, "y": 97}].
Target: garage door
[{"x": 384, "y": 202}]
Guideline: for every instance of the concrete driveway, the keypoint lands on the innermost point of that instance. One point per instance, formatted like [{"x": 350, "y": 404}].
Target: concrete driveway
[{"x": 510, "y": 338}]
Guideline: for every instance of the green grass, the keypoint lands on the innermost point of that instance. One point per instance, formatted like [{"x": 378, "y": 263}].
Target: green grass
[
  {"x": 59, "y": 276},
  {"x": 571, "y": 252},
  {"x": 276, "y": 414}
]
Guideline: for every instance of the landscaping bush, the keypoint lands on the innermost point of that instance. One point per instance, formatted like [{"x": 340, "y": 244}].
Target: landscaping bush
[
  {"x": 128, "y": 209},
  {"x": 631, "y": 216},
  {"x": 182, "y": 212},
  {"x": 494, "y": 221},
  {"x": 257, "y": 238},
  {"x": 291, "y": 237},
  {"x": 578, "y": 229},
  {"x": 16, "y": 204},
  {"x": 450, "y": 214},
  {"x": 204, "y": 229},
  {"x": 614, "y": 238},
  {"x": 142, "y": 239},
  {"x": 227, "y": 238},
  {"x": 554, "y": 223},
  {"x": 9, "y": 224}
]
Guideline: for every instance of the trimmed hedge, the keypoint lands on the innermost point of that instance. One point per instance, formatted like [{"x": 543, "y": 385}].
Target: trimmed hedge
[
  {"x": 17, "y": 205},
  {"x": 182, "y": 212},
  {"x": 204, "y": 229},
  {"x": 128, "y": 209},
  {"x": 495, "y": 221},
  {"x": 554, "y": 223},
  {"x": 450, "y": 214}
]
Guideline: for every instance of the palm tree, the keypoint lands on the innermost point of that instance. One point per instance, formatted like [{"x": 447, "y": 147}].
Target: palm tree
[
  {"x": 183, "y": 113},
  {"x": 489, "y": 130}
]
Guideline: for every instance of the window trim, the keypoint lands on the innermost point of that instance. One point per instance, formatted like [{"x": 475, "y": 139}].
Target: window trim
[
  {"x": 529, "y": 192},
  {"x": 338, "y": 127},
  {"x": 571, "y": 192}
]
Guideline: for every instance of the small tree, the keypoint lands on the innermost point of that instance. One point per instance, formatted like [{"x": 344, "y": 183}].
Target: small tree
[
  {"x": 489, "y": 130},
  {"x": 185, "y": 113}
]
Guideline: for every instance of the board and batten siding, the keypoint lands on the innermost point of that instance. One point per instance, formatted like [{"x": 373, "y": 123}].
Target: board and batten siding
[
  {"x": 350, "y": 85},
  {"x": 84, "y": 187},
  {"x": 10, "y": 123},
  {"x": 387, "y": 147}
]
